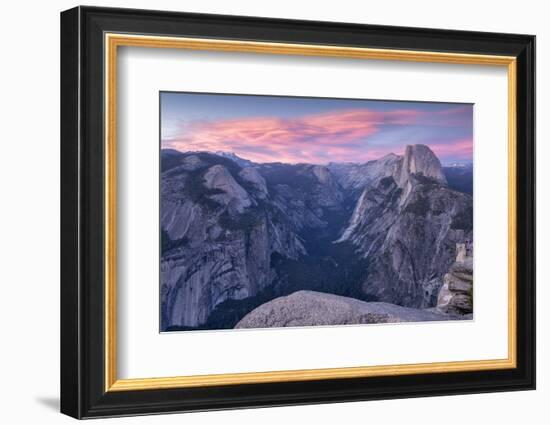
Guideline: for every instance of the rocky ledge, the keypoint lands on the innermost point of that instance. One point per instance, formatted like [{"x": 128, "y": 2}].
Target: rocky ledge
[
  {"x": 456, "y": 294},
  {"x": 310, "y": 308}
]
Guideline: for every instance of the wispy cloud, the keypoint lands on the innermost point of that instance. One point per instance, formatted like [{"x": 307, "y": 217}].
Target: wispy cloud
[
  {"x": 461, "y": 150},
  {"x": 343, "y": 135}
]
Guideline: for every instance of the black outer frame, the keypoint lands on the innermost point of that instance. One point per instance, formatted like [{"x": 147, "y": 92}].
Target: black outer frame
[{"x": 82, "y": 219}]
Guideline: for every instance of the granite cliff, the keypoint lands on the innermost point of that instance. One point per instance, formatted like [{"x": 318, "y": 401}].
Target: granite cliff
[
  {"x": 221, "y": 224},
  {"x": 406, "y": 225}
]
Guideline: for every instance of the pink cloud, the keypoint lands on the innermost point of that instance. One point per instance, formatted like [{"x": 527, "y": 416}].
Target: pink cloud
[
  {"x": 335, "y": 136},
  {"x": 462, "y": 149}
]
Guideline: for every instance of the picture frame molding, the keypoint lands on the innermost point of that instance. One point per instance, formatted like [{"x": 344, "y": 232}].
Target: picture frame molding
[{"x": 90, "y": 38}]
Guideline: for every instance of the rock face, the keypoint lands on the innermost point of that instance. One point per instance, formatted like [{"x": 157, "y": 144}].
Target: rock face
[
  {"x": 225, "y": 190},
  {"x": 406, "y": 225},
  {"x": 308, "y": 308},
  {"x": 236, "y": 234},
  {"x": 252, "y": 176},
  {"x": 419, "y": 159},
  {"x": 355, "y": 177},
  {"x": 456, "y": 294},
  {"x": 222, "y": 223}
]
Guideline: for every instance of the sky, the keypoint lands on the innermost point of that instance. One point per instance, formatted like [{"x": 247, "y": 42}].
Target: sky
[{"x": 313, "y": 130}]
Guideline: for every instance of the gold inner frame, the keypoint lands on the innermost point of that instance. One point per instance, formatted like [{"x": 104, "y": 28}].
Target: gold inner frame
[{"x": 113, "y": 41}]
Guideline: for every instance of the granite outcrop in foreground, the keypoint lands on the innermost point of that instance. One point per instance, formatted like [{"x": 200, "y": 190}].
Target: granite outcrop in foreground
[
  {"x": 309, "y": 308},
  {"x": 456, "y": 294}
]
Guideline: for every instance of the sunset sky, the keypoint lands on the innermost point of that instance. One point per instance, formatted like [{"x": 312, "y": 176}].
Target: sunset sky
[{"x": 313, "y": 130}]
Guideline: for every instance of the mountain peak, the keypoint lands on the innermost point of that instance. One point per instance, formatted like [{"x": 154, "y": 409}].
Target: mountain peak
[
  {"x": 420, "y": 159},
  {"x": 235, "y": 158}
]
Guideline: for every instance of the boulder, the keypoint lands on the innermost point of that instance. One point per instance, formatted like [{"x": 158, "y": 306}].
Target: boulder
[{"x": 310, "y": 308}]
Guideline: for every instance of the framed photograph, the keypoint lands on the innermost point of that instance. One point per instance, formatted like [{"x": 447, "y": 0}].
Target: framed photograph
[{"x": 261, "y": 212}]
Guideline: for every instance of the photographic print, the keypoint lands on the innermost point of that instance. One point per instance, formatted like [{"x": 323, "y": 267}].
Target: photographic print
[{"x": 280, "y": 211}]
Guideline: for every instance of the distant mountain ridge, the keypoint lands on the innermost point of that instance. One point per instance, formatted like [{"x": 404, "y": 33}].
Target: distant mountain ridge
[
  {"x": 355, "y": 175},
  {"x": 240, "y": 161},
  {"x": 460, "y": 177},
  {"x": 237, "y": 234}
]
